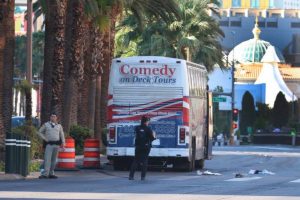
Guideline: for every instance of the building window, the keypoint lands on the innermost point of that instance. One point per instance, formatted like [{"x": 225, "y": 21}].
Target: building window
[
  {"x": 254, "y": 3},
  {"x": 224, "y": 23},
  {"x": 236, "y": 3},
  {"x": 272, "y": 24},
  {"x": 277, "y": 15},
  {"x": 271, "y": 4},
  {"x": 238, "y": 14},
  {"x": 261, "y": 24},
  {"x": 235, "y": 23},
  {"x": 295, "y": 24}
]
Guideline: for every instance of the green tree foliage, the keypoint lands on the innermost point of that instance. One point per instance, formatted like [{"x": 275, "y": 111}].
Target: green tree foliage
[
  {"x": 79, "y": 134},
  {"x": 36, "y": 150},
  {"x": 280, "y": 112},
  {"x": 195, "y": 31},
  {"x": 247, "y": 114},
  {"x": 263, "y": 116},
  {"x": 38, "y": 45}
]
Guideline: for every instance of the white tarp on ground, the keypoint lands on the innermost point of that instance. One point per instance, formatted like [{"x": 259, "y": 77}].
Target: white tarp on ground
[{"x": 270, "y": 75}]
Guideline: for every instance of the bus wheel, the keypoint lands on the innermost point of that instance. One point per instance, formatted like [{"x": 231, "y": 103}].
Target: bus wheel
[{"x": 199, "y": 164}]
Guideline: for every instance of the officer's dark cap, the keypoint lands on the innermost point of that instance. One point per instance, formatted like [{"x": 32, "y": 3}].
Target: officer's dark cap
[{"x": 145, "y": 119}]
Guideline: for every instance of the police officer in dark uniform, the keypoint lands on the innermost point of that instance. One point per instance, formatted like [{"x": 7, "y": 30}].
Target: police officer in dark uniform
[{"x": 143, "y": 139}]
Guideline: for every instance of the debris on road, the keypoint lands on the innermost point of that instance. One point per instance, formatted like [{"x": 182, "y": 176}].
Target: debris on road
[
  {"x": 206, "y": 172},
  {"x": 252, "y": 171},
  {"x": 238, "y": 175},
  {"x": 267, "y": 172}
]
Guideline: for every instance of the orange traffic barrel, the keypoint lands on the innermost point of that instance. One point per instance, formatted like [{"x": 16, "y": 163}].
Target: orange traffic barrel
[
  {"x": 91, "y": 153},
  {"x": 66, "y": 157}
]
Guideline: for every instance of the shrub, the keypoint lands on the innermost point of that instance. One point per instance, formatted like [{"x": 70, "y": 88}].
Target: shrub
[
  {"x": 247, "y": 116},
  {"x": 35, "y": 165},
  {"x": 2, "y": 166},
  {"x": 79, "y": 134},
  {"x": 36, "y": 149},
  {"x": 280, "y": 112}
]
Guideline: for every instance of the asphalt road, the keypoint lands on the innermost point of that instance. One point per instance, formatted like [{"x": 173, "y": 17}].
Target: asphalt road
[{"x": 107, "y": 184}]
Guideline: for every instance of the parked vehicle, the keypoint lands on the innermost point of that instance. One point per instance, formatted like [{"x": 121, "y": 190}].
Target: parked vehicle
[
  {"x": 173, "y": 93},
  {"x": 20, "y": 121}
]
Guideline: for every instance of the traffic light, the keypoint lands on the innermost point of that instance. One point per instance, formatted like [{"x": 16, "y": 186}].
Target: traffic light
[
  {"x": 235, "y": 115},
  {"x": 234, "y": 125}
]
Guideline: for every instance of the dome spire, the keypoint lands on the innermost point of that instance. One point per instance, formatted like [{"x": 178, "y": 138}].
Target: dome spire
[{"x": 256, "y": 31}]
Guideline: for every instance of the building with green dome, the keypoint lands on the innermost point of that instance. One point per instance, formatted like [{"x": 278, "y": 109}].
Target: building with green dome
[
  {"x": 252, "y": 50},
  {"x": 262, "y": 79}
]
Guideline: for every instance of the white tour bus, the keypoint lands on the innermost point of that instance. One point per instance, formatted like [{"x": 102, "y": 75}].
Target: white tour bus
[{"x": 173, "y": 93}]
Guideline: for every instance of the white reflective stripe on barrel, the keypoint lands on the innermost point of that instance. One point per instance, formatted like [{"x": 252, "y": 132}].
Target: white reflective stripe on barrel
[
  {"x": 91, "y": 149},
  {"x": 10, "y": 144},
  {"x": 10, "y": 140},
  {"x": 91, "y": 159},
  {"x": 67, "y": 150},
  {"x": 22, "y": 145},
  {"x": 23, "y": 141},
  {"x": 66, "y": 160}
]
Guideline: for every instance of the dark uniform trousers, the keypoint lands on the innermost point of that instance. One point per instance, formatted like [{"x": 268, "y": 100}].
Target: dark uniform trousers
[{"x": 140, "y": 158}]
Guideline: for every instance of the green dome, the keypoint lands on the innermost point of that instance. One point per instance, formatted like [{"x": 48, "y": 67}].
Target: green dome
[{"x": 252, "y": 50}]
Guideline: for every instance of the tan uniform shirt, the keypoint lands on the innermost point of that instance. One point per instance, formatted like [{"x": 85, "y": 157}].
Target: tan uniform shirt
[{"x": 51, "y": 132}]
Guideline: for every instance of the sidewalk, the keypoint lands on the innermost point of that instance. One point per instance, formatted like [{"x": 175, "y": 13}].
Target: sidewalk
[{"x": 35, "y": 175}]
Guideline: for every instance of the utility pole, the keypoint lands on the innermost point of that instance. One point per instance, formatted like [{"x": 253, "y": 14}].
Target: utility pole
[
  {"x": 29, "y": 42},
  {"x": 232, "y": 91}
]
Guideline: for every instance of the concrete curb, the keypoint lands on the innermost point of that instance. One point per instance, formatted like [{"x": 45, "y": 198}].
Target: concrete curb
[{"x": 9, "y": 177}]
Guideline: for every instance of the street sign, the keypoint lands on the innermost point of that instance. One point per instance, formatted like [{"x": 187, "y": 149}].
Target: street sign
[{"x": 219, "y": 99}]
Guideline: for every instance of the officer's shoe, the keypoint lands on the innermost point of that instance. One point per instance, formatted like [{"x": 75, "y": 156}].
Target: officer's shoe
[
  {"x": 52, "y": 176},
  {"x": 43, "y": 177},
  {"x": 142, "y": 178},
  {"x": 131, "y": 178}
]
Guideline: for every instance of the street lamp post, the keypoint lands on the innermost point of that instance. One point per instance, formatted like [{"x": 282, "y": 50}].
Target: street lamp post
[
  {"x": 29, "y": 42},
  {"x": 232, "y": 91}
]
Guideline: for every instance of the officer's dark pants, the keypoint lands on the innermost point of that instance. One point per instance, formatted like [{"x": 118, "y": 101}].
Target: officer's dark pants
[{"x": 140, "y": 158}]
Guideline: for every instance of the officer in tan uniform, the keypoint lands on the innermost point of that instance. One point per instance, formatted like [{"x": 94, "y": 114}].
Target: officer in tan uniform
[{"x": 53, "y": 135}]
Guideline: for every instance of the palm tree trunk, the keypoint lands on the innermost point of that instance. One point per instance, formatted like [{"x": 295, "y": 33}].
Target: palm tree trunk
[
  {"x": 16, "y": 100},
  {"x": 28, "y": 109},
  {"x": 7, "y": 45},
  {"x": 83, "y": 102},
  {"x": 97, "y": 129},
  {"x": 83, "y": 109},
  {"x": 76, "y": 67},
  {"x": 53, "y": 75},
  {"x": 92, "y": 104},
  {"x": 93, "y": 59},
  {"x": 108, "y": 52}
]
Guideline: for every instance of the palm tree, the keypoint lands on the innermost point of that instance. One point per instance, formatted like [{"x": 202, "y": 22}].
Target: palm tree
[
  {"x": 196, "y": 31},
  {"x": 164, "y": 9},
  {"x": 7, "y": 42},
  {"x": 53, "y": 76},
  {"x": 73, "y": 68}
]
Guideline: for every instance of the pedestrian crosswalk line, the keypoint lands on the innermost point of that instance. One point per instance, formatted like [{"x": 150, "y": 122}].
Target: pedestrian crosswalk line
[
  {"x": 295, "y": 181},
  {"x": 244, "y": 179}
]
